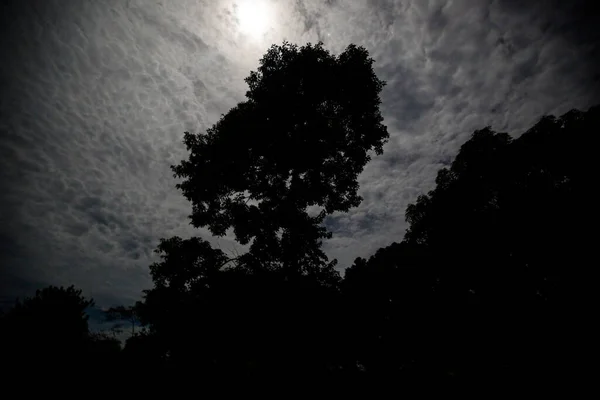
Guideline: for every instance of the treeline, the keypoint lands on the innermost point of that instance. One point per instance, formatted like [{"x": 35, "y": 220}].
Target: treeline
[{"x": 491, "y": 283}]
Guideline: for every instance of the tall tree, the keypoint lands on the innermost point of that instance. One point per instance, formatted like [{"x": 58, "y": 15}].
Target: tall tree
[
  {"x": 277, "y": 164},
  {"x": 270, "y": 171}
]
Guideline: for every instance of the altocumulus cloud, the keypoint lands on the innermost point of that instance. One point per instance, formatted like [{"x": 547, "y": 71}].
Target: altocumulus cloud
[{"x": 96, "y": 97}]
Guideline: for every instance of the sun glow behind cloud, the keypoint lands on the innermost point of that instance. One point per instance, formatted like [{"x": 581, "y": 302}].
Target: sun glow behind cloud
[{"x": 254, "y": 17}]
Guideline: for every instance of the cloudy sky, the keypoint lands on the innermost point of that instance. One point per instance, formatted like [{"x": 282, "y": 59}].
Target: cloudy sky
[{"x": 96, "y": 95}]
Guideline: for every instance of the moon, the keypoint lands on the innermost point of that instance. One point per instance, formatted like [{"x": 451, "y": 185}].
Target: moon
[{"x": 254, "y": 17}]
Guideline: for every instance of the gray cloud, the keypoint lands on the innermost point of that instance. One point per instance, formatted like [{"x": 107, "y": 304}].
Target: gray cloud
[{"x": 96, "y": 97}]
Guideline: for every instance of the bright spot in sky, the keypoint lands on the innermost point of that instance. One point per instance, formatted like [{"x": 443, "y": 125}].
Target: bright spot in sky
[{"x": 254, "y": 17}]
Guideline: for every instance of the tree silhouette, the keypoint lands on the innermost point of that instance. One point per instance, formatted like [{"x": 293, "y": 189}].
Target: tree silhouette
[
  {"x": 490, "y": 280},
  {"x": 48, "y": 334},
  {"x": 299, "y": 141},
  {"x": 269, "y": 171},
  {"x": 56, "y": 314}
]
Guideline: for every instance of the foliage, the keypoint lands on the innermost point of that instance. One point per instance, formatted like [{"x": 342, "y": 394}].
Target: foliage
[
  {"x": 54, "y": 314},
  {"x": 299, "y": 141},
  {"x": 491, "y": 278},
  {"x": 270, "y": 171},
  {"x": 48, "y": 335}
]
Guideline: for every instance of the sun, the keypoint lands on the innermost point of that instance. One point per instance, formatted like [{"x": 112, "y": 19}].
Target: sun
[{"x": 254, "y": 17}]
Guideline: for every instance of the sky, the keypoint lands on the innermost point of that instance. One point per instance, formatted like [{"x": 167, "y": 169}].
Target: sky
[{"x": 95, "y": 97}]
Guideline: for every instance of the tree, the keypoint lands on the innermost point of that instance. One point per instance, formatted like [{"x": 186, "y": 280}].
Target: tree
[
  {"x": 508, "y": 201},
  {"x": 46, "y": 339},
  {"x": 502, "y": 285},
  {"x": 46, "y": 330},
  {"x": 297, "y": 144},
  {"x": 270, "y": 171}
]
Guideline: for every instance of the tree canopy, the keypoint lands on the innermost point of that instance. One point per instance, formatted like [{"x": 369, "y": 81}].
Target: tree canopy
[
  {"x": 64, "y": 309},
  {"x": 46, "y": 336},
  {"x": 270, "y": 171},
  {"x": 296, "y": 145},
  {"x": 492, "y": 279}
]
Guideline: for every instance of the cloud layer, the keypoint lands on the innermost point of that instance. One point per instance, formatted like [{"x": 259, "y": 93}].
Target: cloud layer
[{"x": 96, "y": 97}]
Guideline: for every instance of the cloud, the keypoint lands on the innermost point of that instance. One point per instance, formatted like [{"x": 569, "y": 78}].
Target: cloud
[
  {"x": 98, "y": 100},
  {"x": 97, "y": 95}
]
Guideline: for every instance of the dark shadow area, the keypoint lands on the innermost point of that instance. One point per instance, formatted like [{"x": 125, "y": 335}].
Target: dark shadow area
[{"x": 491, "y": 285}]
